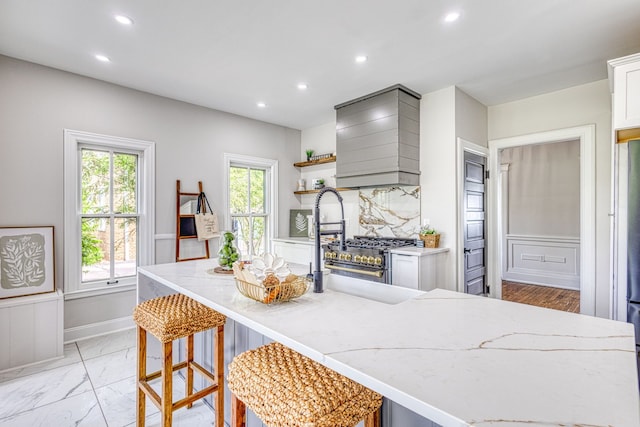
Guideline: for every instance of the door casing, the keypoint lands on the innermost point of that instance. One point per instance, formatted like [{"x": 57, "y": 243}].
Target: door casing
[{"x": 586, "y": 135}]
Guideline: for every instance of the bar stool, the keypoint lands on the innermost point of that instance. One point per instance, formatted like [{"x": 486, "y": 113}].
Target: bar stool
[
  {"x": 286, "y": 389},
  {"x": 169, "y": 318}
]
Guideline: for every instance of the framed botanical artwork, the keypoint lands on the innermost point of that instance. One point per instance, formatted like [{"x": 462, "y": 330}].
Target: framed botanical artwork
[
  {"x": 26, "y": 261},
  {"x": 298, "y": 222}
]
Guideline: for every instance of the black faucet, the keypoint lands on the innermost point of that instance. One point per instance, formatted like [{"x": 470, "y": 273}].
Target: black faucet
[{"x": 317, "y": 274}]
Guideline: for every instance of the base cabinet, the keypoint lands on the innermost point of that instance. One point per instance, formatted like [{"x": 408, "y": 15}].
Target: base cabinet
[
  {"x": 32, "y": 330},
  {"x": 417, "y": 271},
  {"x": 294, "y": 252}
]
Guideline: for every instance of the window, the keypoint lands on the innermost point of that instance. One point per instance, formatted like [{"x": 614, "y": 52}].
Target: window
[
  {"x": 108, "y": 210},
  {"x": 250, "y": 200}
]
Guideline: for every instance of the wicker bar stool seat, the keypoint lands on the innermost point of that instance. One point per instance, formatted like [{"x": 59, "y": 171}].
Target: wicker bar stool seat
[
  {"x": 169, "y": 318},
  {"x": 286, "y": 389}
]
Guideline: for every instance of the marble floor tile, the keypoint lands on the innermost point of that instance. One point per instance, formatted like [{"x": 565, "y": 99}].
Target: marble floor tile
[
  {"x": 112, "y": 367},
  {"x": 81, "y": 410},
  {"x": 105, "y": 344},
  {"x": 33, "y": 391},
  {"x": 199, "y": 415},
  {"x": 118, "y": 400},
  {"x": 71, "y": 356}
]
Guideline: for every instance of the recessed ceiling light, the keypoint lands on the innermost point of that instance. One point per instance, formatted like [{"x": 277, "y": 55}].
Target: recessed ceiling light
[
  {"x": 302, "y": 86},
  {"x": 124, "y": 20},
  {"x": 261, "y": 105},
  {"x": 361, "y": 58},
  {"x": 102, "y": 58},
  {"x": 452, "y": 16}
]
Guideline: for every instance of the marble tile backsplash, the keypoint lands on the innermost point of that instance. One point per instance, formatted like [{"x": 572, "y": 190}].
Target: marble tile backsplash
[{"x": 389, "y": 211}]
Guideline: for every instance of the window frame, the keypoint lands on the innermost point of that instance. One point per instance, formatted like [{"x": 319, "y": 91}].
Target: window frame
[
  {"x": 74, "y": 141},
  {"x": 271, "y": 186}
]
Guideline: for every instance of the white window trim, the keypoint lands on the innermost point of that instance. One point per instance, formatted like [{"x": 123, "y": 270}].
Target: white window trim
[
  {"x": 272, "y": 206},
  {"x": 146, "y": 224}
]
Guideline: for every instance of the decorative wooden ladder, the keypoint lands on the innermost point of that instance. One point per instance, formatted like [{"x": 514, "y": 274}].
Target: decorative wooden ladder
[{"x": 186, "y": 223}]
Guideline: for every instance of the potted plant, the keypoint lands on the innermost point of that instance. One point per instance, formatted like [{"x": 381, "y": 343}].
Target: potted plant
[
  {"x": 429, "y": 236},
  {"x": 228, "y": 253},
  {"x": 309, "y": 154},
  {"x": 318, "y": 183}
]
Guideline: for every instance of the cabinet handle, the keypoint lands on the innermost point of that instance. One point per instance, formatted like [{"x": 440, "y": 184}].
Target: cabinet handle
[{"x": 355, "y": 270}]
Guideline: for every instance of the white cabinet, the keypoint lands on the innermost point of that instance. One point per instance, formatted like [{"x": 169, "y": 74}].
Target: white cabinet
[
  {"x": 31, "y": 329},
  {"x": 296, "y": 252},
  {"x": 405, "y": 270},
  {"x": 418, "y": 268},
  {"x": 625, "y": 73}
]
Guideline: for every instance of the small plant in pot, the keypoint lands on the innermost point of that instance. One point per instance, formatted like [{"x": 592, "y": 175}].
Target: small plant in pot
[
  {"x": 228, "y": 253},
  {"x": 318, "y": 184},
  {"x": 429, "y": 236},
  {"x": 309, "y": 154}
]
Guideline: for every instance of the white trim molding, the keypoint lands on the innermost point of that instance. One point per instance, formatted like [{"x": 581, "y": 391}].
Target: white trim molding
[
  {"x": 586, "y": 135},
  {"x": 146, "y": 225},
  {"x": 97, "y": 329},
  {"x": 543, "y": 260},
  {"x": 272, "y": 184}
]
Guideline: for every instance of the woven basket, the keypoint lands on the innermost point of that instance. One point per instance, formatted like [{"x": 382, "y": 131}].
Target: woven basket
[
  {"x": 270, "y": 294},
  {"x": 430, "y": 240}
]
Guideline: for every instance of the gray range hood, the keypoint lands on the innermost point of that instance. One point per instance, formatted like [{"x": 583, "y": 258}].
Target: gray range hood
[{"x": 378, "y": 139}]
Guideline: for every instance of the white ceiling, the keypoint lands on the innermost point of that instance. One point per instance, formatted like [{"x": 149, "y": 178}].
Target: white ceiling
[{"x": 230, "y": 54}]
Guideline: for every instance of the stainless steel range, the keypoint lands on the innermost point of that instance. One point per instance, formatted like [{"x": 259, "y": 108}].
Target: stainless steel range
[{"x": 364, "y": 257}]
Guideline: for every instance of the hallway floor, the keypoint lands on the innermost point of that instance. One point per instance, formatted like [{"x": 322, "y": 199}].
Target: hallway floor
[
  {"x": 93, "y": 385},
  {"x": 541, "y": 296}
]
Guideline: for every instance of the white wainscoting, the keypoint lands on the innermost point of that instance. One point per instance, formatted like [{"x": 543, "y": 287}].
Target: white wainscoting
[
  {"x": 31, "y": 329},
  {"x": 542, "y": 260}
]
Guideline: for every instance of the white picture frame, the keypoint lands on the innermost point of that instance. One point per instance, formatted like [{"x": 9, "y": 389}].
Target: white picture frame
[{"x": 27, "y": 261}]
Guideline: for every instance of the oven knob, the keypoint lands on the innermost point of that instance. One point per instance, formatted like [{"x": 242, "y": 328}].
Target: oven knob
[
  {"x": 341, "y": 257},
  {"x": 378, "y": 260},
  {"x": 347, "y": 257},
  {"x": 370, "y": 260},
  {"x": 334, "y": 255},
  {"x": 357, "y": 258}
]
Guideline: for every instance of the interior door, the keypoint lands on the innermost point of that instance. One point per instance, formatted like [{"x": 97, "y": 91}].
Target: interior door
[{"x": 474, "y": 225}]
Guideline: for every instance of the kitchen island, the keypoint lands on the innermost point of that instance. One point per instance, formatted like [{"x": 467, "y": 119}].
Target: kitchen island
[{"x": 452, "y": 358}]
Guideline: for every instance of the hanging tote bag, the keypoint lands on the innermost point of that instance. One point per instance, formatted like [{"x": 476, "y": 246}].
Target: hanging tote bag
[{"x": 206, "y": 222}]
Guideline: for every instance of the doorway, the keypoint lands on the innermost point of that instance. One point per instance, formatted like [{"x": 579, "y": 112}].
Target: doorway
[
  {"x": 585, "y": 135},
  {"x": 540, "y": 208}
]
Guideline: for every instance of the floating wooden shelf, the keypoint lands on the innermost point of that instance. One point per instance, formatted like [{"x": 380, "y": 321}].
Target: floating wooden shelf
[
  {"x": 317, "y": 191},
  {"x": 626, "y": 135},
  {"x": 315, "y": 162}
]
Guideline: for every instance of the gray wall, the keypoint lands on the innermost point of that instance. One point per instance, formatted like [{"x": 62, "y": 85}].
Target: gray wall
[
  {"x": 544, "y": 189},
  {"x": 37, "y": 103}
]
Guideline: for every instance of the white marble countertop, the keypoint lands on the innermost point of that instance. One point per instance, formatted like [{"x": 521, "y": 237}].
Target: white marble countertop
[
  {"x": 453, "y": 358},
  {"x": 415, "y": 251}
]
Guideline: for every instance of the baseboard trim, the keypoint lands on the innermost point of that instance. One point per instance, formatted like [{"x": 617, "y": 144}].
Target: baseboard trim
[{"x": 83, "y": 332}]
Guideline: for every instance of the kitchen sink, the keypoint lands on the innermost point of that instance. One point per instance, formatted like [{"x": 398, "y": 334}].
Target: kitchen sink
[{"x": 379, "y": 292}]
